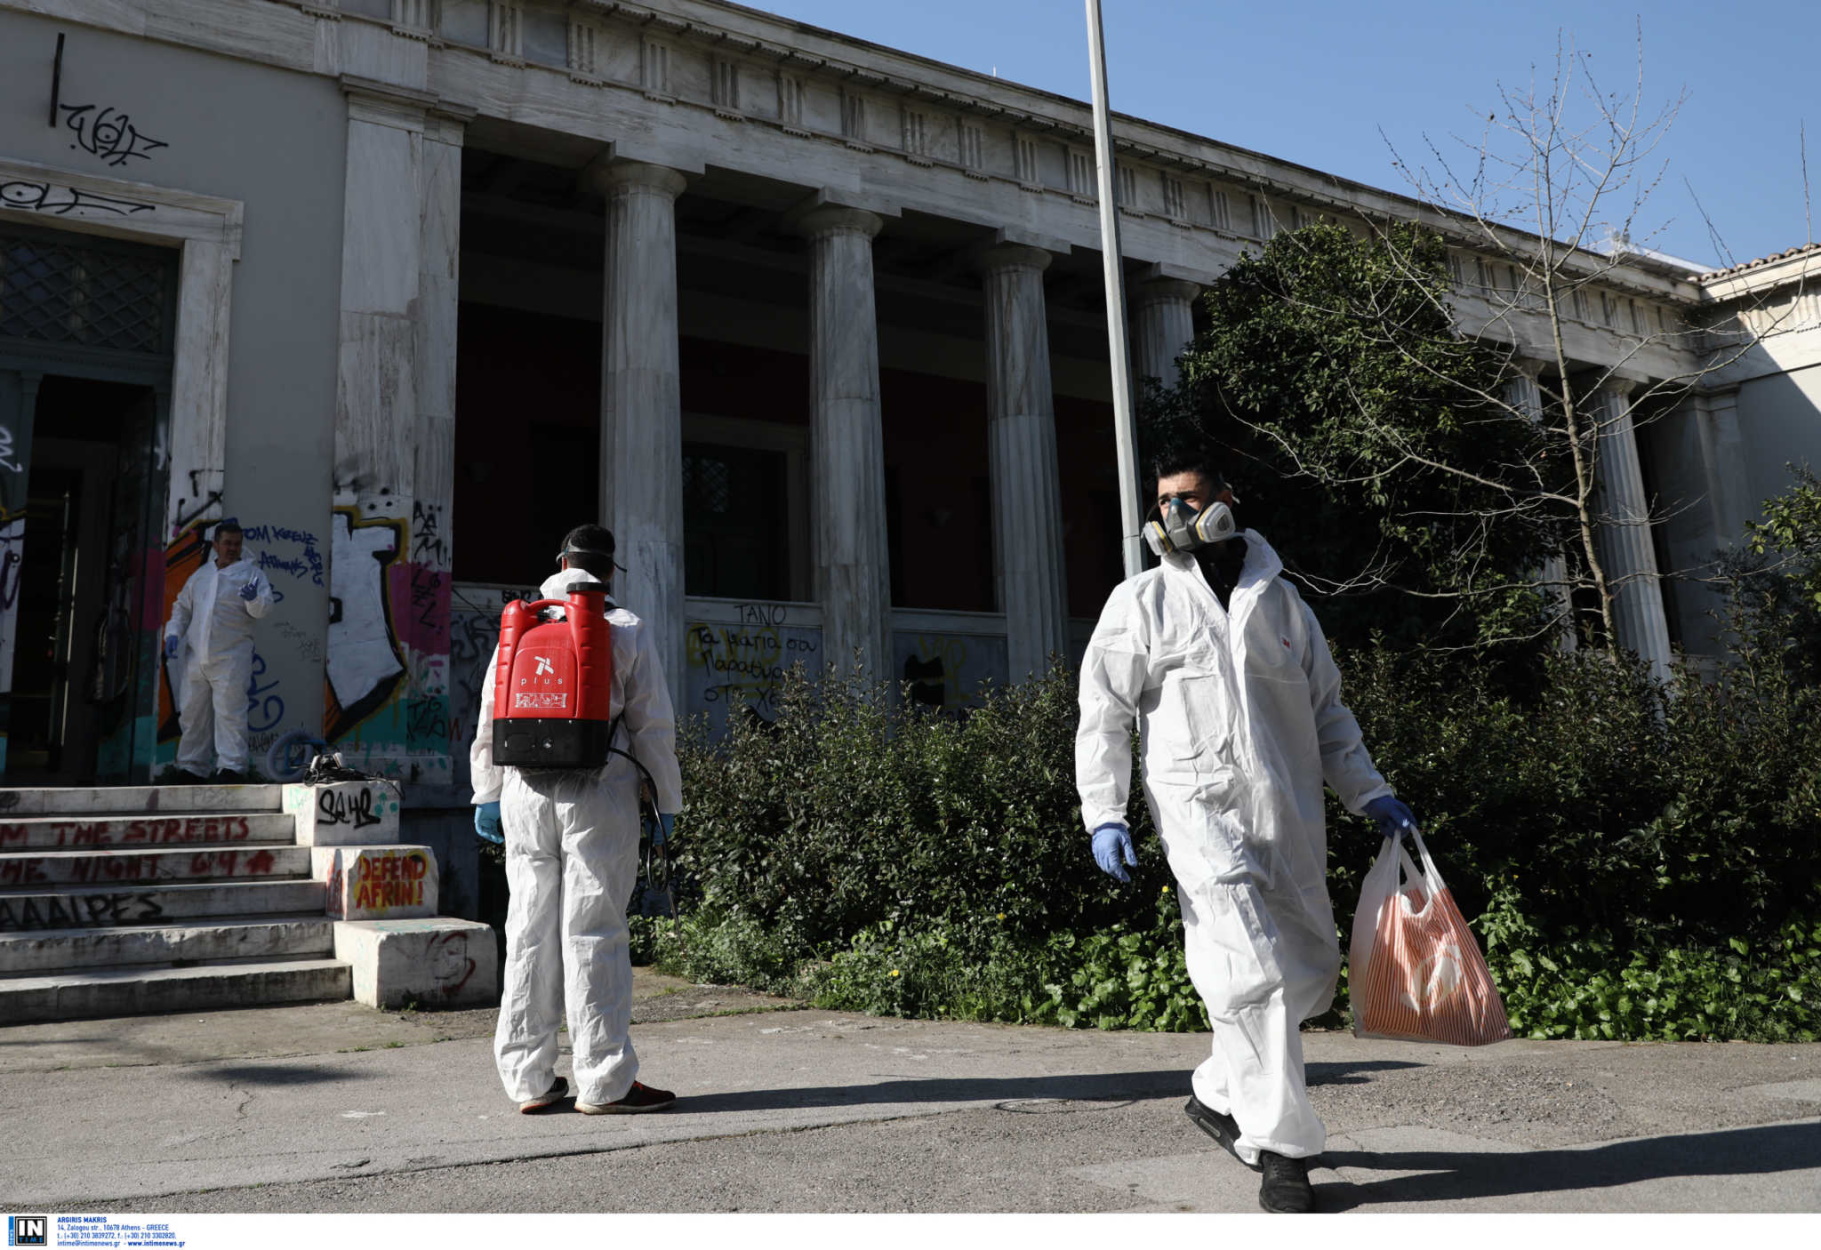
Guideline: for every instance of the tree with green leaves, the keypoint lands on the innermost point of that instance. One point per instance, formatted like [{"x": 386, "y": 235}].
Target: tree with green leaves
[{"x": 1332, "y": 374}]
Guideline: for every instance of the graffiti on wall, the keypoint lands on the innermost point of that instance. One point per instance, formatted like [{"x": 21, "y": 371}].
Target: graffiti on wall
[
  {"x": 744, "y": 665},
  {"x": 946, "y": 671},
  {"x": 474, "y": 632},
  {"x": 108, "y": 133},
  {"x": 387, "y": 668},
  {"x": 64, "y": 201}
]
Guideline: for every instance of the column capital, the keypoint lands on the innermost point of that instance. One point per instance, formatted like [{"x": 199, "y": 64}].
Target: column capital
[
  {"x": 1530, "y": 366},
  {"x": 606, "y": 175},
  {"x": 1004, "y": 256},
  {"x": 1620, "y": 386},
  {"x": 826, "y": 220},
  {"x": 1157, "y": 290}
]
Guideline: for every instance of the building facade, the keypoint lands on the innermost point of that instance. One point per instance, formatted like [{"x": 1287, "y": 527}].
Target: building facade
[{"x": 410, "y": 287}]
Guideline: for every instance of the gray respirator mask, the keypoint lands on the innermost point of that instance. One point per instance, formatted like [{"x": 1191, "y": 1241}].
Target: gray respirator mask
[{"x": 1180, "y": 528}]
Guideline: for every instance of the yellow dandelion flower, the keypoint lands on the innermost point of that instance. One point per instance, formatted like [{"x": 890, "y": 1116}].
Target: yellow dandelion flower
[
  {"x": 1002, "y": 915},
  {"x": 894, "y": 972}
]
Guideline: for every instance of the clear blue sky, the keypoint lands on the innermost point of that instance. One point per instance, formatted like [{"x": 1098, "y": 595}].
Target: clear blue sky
[{"x": 1314, "y": 82}]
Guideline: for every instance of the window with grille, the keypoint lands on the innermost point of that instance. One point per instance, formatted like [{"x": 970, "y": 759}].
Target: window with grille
[
  {"x": 1174, "y": 203},
  {"x": 735, "y": 522},
  {"x": 80, "y": 292}
]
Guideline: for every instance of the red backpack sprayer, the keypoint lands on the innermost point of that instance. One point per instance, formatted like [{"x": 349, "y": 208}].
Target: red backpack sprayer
[{"x": 553, "y": 708}]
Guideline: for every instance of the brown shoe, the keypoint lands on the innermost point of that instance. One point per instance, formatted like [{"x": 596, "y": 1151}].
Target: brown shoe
[
  {"x": 639, "y": 1099},
  {"x": 559, "y": 1088}
]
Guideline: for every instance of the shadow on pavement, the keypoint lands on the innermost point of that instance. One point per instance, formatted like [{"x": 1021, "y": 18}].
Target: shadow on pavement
[
  {"x": 1449, "y": 1176},
  {"x": 274, "y": 1074},
  {"x": 1094, "y": 1086},
  {"x": 1343, "y": 1073}
]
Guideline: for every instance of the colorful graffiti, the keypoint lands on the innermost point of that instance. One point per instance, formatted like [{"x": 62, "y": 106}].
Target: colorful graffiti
[{"x": 386, "y": 675}]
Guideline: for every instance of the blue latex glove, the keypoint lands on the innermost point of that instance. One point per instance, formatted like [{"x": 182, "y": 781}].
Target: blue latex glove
[
  {"x": 487, "y": 822},
  {"x": 1111, "y": 841},
  {"x": 667, "y": 823},
  {"x": 250, "y": 591},
  {"x": 1392, "y": 816},
  {"x": 170, "y": 646}
]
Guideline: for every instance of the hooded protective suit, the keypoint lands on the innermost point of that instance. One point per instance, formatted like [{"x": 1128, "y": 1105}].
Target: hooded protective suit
[
  {"x": 217, "y": 624},
  {"x": 1241, "y": 721},
  {"x": 572, "y": 845}
]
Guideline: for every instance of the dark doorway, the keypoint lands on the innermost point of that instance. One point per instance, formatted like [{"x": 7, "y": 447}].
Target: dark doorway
[{"x": 76, "y": 657}]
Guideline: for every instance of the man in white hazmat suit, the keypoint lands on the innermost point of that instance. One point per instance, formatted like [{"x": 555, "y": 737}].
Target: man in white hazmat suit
[
  {"x": 1222, "y": 667},
  {"x": 572, "y": 845},
  {"x": 214, "y": 616}
]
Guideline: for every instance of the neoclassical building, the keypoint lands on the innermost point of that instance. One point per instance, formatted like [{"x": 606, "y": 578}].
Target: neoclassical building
[{"x": 410, "y": 287}]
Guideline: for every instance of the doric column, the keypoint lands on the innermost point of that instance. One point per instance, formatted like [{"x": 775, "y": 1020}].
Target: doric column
[
  {"x": 1623, "y": 538},
  {"x": 1163, "y": 322},
  {"x": 1697, "y": 463},
  {"x": 1027, "y": 497},
  {"x": 387, "y": 662},
  {"x": 641, "y": 405},
  {"x": 853, "y": 571},
  {"x": 1523, "y": 394}
]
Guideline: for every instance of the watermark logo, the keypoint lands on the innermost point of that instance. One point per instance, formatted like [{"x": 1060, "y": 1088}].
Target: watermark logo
[{"x": 28, "y": 1230}]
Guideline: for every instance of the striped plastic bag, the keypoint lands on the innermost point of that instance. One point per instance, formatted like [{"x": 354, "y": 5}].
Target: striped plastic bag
[{"x": 1416, "y": 972}]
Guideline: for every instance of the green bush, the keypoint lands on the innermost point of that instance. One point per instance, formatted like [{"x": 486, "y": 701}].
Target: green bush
[{"x": 1640, "y": 862}]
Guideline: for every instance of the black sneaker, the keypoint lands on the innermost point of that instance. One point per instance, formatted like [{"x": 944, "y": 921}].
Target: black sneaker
[
  {"x": 1286, "y": 1189},
  {"x": 184, "y": 777},
  {"x": 549, "y": 1098},
  {"x": 1221, "y": 1127},
  {"x": 228, "y": 777},
  {"x": 640, "y": 1098}
]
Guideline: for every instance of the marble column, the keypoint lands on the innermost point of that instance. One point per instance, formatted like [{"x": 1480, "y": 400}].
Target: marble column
[
  {"x": 1695, "y": 458},
  {"x": 641, "y": 405},
  {"x": 1623, "y": 539},
  {"x": 1163, "y": 322},
  {"x": 847, "y": 443},
  {"x": 387, "y": 652},
  {"x": 1523, "y": 394},
  {"x": 1021, "y": 432}
]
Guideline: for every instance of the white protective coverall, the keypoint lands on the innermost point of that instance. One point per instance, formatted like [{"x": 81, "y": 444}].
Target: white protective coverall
[
  {"x": 217, "y": 626},
  {"x": 1241, "y": 720},
  {"x": 572, "y": 849}
]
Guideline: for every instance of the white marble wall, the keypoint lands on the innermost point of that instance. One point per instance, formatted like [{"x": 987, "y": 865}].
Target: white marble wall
[
  {"x": 641, "y": 416},
  {"x": 1623, "y": 539},
  {"x": 853, "y": 573},
  {"x": 1026, "y": 491}
]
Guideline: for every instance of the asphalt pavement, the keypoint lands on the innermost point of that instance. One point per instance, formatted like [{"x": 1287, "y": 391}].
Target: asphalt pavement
[{"x": 337, "y": 1108}]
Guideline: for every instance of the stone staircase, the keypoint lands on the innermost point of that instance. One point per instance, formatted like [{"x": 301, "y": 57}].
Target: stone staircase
[{"x": 136, "y": 899}]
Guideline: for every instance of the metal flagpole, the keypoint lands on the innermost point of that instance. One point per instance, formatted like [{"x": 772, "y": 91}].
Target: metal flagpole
[{"x": 1130, "y": 517}]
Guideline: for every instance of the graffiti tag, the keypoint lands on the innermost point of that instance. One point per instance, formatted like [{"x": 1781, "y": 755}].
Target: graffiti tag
[
  {"x": 109, "y": 134},
  {"x": 45, "y": 197},
  {"x": 336, "y": 807}
]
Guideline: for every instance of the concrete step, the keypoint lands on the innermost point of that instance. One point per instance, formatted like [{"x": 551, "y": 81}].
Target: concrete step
[
  {"x": 237, "y": 937},
  {"x": 140, "y": 991},
  {"x": 34, "y": 910},
  {"x": 130, "y": 800},
  {"x": 31, "y": 833},
  {"x": 113, "y": 869}
]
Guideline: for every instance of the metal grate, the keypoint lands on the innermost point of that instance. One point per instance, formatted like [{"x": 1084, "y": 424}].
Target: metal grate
[
  {"x": 707, "y": 481},
  {"x": 53, "y": 291}
]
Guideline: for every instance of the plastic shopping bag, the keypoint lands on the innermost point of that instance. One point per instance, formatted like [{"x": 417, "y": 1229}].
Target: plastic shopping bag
[{"x": 1415, "y": 971}]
